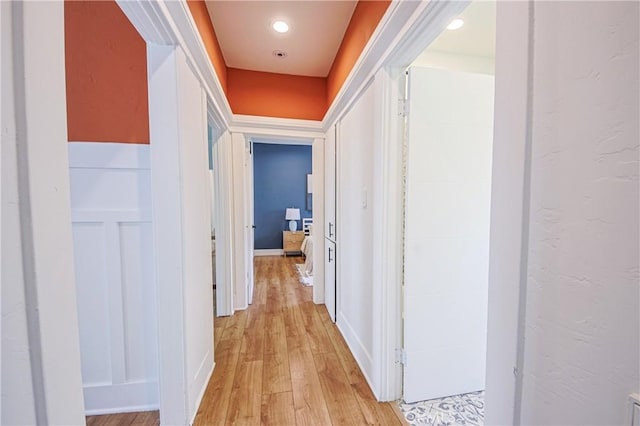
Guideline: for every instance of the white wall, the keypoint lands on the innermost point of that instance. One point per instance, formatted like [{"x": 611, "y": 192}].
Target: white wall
[
  {"x": 506, "y": 256},
  {"x": 582, "y": 335},
  {"x": 40, "y": 355},
  {"x": 196, "y": 244},
  {"x": 448, "y": 194},
  {"x": 196, "y": 254},
  {"x": 451, "y": 61},
  {"x": 222, "y": 163},
  {"x": 354, "y": 229},
  {"x": 18, "y": 400},
  {"x": 239, "y": 209},
  {"x": 113, "y": 248},
  {"x": 179, "y": 181},
  {"x": 317, "y": 231}
]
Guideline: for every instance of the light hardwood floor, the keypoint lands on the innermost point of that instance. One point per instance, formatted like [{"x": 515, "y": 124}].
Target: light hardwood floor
[
  {"x": 283, "y": 362},
  {"x": 146, "y": 418}
]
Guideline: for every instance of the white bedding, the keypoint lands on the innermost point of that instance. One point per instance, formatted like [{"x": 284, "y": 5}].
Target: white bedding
[{"x": 307, "y": 249}]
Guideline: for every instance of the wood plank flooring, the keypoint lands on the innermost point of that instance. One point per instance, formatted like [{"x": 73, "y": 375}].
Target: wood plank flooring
[
  {"x": 146, "y": 418},
  {"x": 283, "y": 362}
]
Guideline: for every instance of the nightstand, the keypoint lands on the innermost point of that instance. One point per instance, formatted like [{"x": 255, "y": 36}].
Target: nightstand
[{"x": 292, "y": 242}]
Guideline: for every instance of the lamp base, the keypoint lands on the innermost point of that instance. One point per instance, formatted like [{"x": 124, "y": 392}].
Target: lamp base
[{"x": 293, "y": 225}]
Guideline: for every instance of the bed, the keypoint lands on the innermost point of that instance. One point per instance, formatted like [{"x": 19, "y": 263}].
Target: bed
[{"x": 307, "y": 246}]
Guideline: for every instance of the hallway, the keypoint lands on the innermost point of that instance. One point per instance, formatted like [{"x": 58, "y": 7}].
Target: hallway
[{"x": 282, "y": 362}]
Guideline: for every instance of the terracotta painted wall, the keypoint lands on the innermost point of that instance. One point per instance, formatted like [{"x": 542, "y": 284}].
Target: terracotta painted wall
[
  {"x": 287, "y": 96},
  {"x": 364, "y": 21},
  {"x": 276, "y": 95},
  {"x": 198, "y": 10},
  {"x": 106, "y": 74}
]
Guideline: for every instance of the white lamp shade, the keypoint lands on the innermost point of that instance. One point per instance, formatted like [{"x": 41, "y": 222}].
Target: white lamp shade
[{"x": 292, "y": 214}]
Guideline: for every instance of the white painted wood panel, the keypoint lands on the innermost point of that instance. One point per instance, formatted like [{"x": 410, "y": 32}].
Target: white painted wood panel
[{"x": 113, "y": 250}]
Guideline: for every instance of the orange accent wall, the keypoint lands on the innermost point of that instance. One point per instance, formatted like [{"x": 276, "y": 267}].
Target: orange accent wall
[
  {"x": 288, "y": 96},
  {"x": 106, "y": 74},
  {"x": 276, "y": 95},
  {"x": 364, "y": 21},
  {"x": 198, "y": 10}
]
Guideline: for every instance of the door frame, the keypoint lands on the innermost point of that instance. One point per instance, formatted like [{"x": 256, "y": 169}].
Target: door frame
[{"x": 508, "y": 260}]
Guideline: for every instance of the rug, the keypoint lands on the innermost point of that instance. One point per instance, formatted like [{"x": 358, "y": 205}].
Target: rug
[
  {"x": 457, "y": 410},
  {"x": 304, "y": 278}
]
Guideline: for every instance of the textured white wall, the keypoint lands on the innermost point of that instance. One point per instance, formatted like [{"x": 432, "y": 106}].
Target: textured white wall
[{"x": 582, "y": 334}]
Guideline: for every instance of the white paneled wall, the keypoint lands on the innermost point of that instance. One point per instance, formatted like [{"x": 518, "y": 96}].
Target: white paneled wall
[{"x": 113, "y": 248}]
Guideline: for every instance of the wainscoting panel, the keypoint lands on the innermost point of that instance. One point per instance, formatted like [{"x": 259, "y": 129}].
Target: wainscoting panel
[{"x": 113, "y": 247}]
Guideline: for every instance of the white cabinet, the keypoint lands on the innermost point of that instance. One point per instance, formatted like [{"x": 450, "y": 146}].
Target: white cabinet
[
  {"x": 330, "y": 221},
  {"x": 330, "y": 184},
  {"x": 330, "y": 278}
]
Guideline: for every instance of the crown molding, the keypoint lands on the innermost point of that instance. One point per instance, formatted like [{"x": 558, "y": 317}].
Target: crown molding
[
  {"x": 270, "y": 126},
  {"x": 406, "y": 28}
]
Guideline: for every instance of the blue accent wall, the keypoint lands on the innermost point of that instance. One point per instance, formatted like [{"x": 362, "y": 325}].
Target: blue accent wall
[{"x": 280, "y": 181}]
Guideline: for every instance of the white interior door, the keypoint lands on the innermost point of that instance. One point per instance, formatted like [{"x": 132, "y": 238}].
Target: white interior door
[
  {"x": 448, "y": 187},
  {"x": 248, "y": 166}
]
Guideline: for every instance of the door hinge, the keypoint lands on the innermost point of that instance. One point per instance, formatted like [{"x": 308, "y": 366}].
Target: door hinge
[
  {"x": 403, "y": 107},
  {"x": 401, "y": 356}
]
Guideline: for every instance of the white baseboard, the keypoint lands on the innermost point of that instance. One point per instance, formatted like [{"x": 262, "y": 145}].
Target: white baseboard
[
  {"x": 268, "y": 252},
  {"x": 121, "y": 398},
  {"x": 360, "y": 353},
  {"x": 202, "y": 392}
]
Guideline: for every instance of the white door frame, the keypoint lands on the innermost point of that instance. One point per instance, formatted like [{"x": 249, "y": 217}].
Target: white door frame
[
  {"x": 507, "y": 281},
  {"x": 42, "y": 340},
  {"x": 224, "y": 224}
]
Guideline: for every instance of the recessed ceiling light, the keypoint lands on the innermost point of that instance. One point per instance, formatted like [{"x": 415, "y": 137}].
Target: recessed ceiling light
[
  {"x": 280, "y": 26},
  {"x": 456, "y": 24}
]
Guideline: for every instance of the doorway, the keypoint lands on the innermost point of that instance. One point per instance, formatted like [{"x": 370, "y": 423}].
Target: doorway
[
  {"x": 447, "y": 186},
  {"x": 280, "y": 183}
]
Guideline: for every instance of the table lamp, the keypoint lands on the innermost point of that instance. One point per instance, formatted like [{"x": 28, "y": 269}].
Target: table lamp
[{"x": 292, "y": 215}]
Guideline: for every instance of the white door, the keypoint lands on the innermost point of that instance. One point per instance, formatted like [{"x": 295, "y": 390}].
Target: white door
[
  {"x": 248, "y": 166},
  {"x": 448, "y": 186}
]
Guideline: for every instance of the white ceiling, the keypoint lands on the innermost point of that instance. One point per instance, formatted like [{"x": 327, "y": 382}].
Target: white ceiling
[
  {"x": 478, "y": 35},
  {"x": 316, "y": 28}
]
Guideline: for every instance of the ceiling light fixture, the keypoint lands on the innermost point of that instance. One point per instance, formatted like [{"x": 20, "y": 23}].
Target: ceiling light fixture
[
  {"x": 280, "y": 26},
  {"x": 456, "y": 24}
]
